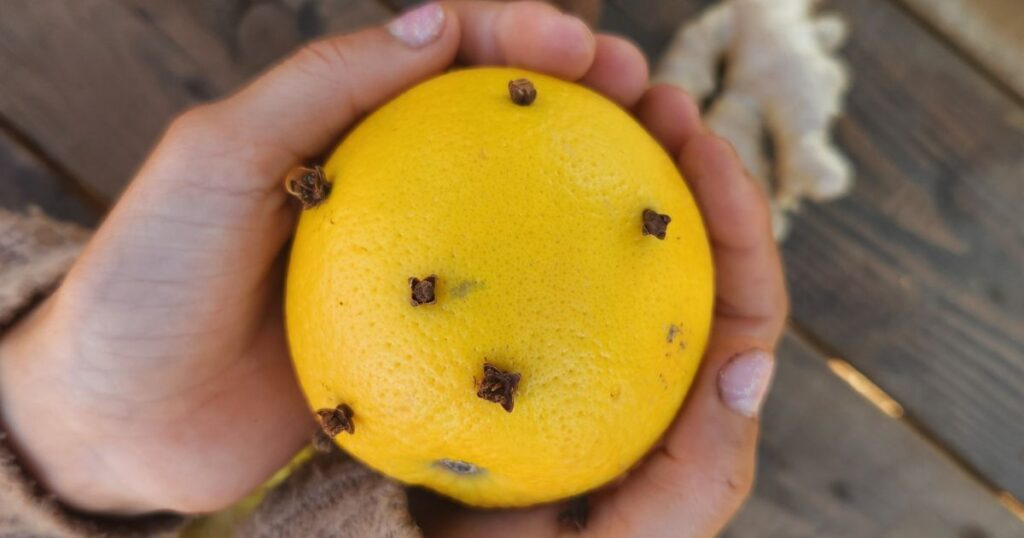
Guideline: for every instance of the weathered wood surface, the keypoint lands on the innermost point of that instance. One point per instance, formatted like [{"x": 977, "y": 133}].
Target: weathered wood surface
[
  {"x": 96, "y": 81},
  {"x": 915, "y": 278},
  {"x": 991, "y": 32},
  {"x": 650, "y": 23},
  {"x": 831, "y": 465},
  {"x": 26, "y": 181}
]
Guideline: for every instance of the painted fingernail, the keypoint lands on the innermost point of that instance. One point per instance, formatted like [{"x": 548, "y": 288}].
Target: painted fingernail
[
  {"x": 743, "y": 382},
  {"x": 419, "y": 27}
]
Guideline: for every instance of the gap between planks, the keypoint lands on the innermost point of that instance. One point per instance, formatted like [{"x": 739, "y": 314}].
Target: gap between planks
[
  {"x": 950, "y": 43},
  {"x": 68, "y": 180},
  {"x": 893, "y": 409}
]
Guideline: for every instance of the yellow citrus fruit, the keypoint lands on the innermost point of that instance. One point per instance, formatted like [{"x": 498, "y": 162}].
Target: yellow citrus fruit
[{"x": 531, "y": 218}]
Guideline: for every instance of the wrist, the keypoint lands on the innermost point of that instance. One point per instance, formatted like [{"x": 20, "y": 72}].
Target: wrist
[{"x": 45, "y": 425}]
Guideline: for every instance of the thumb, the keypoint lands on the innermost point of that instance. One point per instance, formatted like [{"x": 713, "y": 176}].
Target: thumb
[{"x": 299, "y": 107}]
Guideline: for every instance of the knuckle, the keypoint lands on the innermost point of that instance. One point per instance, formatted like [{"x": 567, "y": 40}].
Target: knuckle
[
  {"x": 736, "y": 484},
  {"x": 330, "y": 61},
  {"x": 324, "y": 56}
]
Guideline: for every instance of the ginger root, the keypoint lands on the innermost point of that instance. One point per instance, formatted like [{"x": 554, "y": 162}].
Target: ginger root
[{"x": 781, "y": 80}]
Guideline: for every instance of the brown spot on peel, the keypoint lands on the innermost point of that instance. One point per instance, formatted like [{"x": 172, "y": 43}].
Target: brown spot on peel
[
  {"x": 337, "y": 420},
  {"x": 655, "y": 223},
  {"x": 307, "y": 184},
  {"x": 498, "y": 386}
]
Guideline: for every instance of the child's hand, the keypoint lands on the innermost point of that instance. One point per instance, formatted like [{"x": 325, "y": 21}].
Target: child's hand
[{"x": 157, "y": 377}]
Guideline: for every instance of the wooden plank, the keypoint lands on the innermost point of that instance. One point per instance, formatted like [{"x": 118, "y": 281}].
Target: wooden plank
[
  {"x": 915, "y": 277},
  {"x": 95, "y": 81},
  {"x": 830, "y": 464},
  {"x": 26, "y": 181},
  {"x": 650, "y": 23},
  {"x": 991, "y": 32}
]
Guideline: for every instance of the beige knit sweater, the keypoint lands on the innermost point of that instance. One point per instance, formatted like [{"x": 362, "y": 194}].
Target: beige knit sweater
[{"x": 330, "y": 495}]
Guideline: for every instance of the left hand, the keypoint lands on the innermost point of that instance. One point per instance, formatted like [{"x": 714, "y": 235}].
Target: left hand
[{"x": 157, "y": 376}]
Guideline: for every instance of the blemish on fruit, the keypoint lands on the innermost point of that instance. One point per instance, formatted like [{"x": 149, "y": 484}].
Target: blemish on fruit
[
  {"x": 574, "y": 517},
  {"x": 309, "y": 185},
  {"x": 459, "y": 467},
  {"x": 673, "y": 330},
  {"x": 498, "y": 386},
  {"x": 522, "y": 91},
  {"x": 463, "y": 288},
  {"x": 655, "y": 223},
  {"x": 423, "y": 290},
  {"x": 337, "y": 420}
]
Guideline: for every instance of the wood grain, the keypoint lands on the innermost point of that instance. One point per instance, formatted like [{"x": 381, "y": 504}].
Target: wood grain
[
  {"x": 831, "y": 465},
  {"x": 95, "y": 81},
  {"x": 26, "y": 181},
  {"x": 915, "y": 278},
  {"x": 991, "y": 32}
]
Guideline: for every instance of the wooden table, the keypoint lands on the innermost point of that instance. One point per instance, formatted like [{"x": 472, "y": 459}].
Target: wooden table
[{"x": 912, "y": 285}]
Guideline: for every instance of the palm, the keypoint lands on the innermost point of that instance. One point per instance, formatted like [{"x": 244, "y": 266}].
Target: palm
[{"x": 198, "y": 358}]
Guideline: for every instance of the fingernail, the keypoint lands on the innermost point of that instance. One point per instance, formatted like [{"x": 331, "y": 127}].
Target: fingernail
[
  {"x": 743, "y": 382},
  {"x": 419, "y": 27}
]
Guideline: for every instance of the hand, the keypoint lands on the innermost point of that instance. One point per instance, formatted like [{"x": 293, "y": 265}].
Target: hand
[
  {"x": 696, "y": 479},
  {"x": 160, "y": 365},
  {"x": 157, "y": 377}
]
